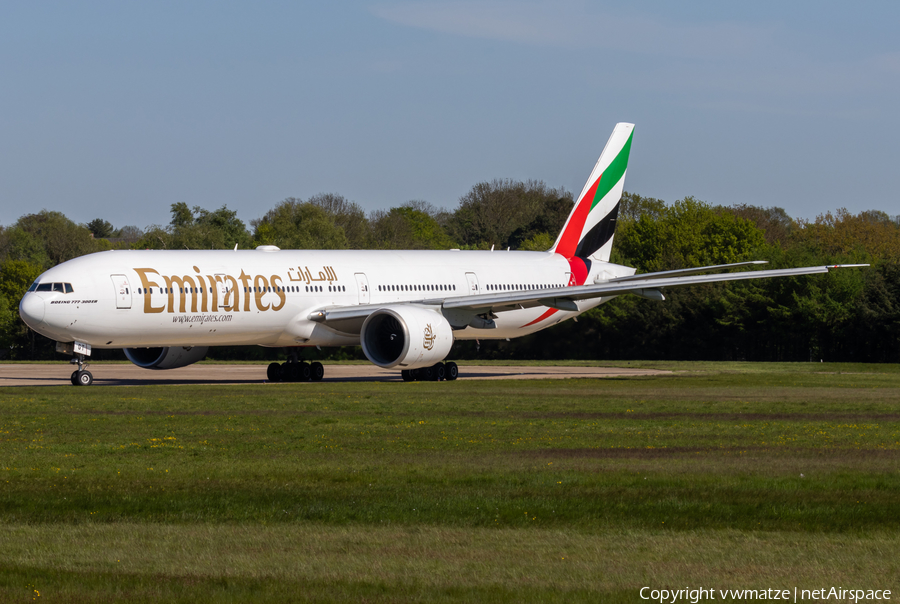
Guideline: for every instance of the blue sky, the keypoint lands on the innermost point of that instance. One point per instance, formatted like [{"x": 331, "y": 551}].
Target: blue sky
[{"x": 119, "y": 109}]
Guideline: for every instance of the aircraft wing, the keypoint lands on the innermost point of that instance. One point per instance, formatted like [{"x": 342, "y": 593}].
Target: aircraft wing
[
  {"x": 646, "y": 285},
  {"x": 349, "y": 319}
]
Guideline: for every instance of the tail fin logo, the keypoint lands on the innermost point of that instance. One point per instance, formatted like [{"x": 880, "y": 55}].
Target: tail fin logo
[
  {"x": 592, "y": 223},
  {"x": 588, "y": 232}
]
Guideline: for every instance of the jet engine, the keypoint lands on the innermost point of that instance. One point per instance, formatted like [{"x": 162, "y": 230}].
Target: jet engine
[
  {"x": 166, "y": 358},
  {"x": 408, "y": 336}
]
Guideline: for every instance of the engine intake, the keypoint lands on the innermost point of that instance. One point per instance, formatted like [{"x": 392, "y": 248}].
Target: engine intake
[
  {"x": 408, "y": 336},
  {"x": 165, "y": 358}
]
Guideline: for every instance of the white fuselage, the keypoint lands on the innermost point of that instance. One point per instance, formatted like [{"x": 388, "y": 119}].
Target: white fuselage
[{"x": 124, "y": 299}]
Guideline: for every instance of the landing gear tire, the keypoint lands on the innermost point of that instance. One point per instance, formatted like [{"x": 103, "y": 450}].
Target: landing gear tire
[
  {"x": 305, "y": 372},
  {"x": 451, "y": 371},
  {"x": 83, "y": 378},
  {"x": 435, "y": 373},
  {"x": 290, "y": 372},
  {"x": 317, "y": 370},
  {"x": 273, "y": 372},
  {"x": 80, "y": 377}
]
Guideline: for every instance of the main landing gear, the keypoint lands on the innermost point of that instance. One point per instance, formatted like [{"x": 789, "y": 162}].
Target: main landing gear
[
  {"x": 435, "y": 373},
  {"x": 294, "y": 371},
  {"x": 81, "y": 376}
]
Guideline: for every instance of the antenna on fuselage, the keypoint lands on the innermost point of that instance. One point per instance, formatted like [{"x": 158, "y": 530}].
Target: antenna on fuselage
[{"x": 235, "y": 247}]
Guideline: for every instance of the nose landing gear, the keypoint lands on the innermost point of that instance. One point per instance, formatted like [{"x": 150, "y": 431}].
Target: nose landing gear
[{"x": 81, "y": 376}]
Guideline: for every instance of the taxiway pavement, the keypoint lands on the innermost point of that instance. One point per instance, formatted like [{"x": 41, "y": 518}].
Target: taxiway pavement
[{"x": 40, "y": 374}]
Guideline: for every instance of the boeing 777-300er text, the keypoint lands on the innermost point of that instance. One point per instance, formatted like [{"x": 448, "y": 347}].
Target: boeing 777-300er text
[{"x": 165, "y": 308}]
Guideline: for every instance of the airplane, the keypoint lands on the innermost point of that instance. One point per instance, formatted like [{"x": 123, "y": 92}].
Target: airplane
[{"x": 405, "y": 308}]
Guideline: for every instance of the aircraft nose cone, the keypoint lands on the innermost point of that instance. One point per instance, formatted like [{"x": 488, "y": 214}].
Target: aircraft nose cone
[{"x": 31, "y": 309}]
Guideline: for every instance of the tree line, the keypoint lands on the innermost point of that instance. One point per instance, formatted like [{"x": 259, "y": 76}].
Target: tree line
[{"x": 848, "y": 315}]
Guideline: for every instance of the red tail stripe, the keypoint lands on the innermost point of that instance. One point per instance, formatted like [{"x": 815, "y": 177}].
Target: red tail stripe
[{"x": 568, "y": 243}]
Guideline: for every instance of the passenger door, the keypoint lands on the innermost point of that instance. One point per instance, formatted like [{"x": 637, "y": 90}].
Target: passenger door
[
  {"x": 123, "y": 291},
  {"x": 473, "y": 284},
  {"x": 362, "y": 285},
  {"x": 221, "y": 292}
]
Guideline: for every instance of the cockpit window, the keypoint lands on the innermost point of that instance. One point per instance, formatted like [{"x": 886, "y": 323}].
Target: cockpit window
[{"x": 65, "y": 288}]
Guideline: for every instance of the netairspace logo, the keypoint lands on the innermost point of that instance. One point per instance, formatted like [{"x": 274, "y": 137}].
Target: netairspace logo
[{"x": 695, "y": 595}]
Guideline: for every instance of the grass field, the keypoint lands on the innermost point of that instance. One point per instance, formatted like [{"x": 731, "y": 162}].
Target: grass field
[{"x": 719, "y": 475}]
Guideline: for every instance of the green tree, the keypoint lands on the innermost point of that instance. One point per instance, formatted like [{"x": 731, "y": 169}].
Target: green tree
[
  {"x": 690, "y": 233},
  {"x": 101, "y": 229},
  {"x": 550, "y": 220},
  {"x": 409, "y": 227},
  {"x": 506, "y": 212},
  {"x": 841, "y": 236},
  {"x": 181, "y": 215},
  {"x": 126, "y": 236},
  {"x": 774, "y": 222},
  {"x": 541, "y": 242},
  {"x": 197, "y": 229},
  {"x": 154, "y": 237},
  {"x": 347, "y": 215},
  {"x": 18, "y": 244},
  {"x": 294, "y": 224},
  {"x": 9, "y": 319},
  {"x": 60, "y": 238},
  {"x": 212, "y": 230},
  {"x": 632, "y": 207},
  {"x": 15, "y": 278}
]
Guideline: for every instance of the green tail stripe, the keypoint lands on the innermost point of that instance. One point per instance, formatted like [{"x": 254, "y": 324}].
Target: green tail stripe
[{"x": 613, "y": 173}]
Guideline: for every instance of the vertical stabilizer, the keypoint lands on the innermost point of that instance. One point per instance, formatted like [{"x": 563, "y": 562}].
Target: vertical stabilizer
[{"x": 589, "y": 230}]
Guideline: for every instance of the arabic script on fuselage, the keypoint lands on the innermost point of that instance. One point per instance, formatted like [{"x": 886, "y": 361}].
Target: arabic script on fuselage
[{"x": 304, "y": 275}]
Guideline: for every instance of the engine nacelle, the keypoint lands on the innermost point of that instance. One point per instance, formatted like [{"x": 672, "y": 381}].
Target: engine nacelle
[
  {"x": 165, "y": 358},
  {"x": 408, "y": 336}
]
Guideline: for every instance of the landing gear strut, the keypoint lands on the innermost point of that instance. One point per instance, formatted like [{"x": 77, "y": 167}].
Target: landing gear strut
[
  {"x": 435, "y": 373},
  {"x": 81, "y": 376}
]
